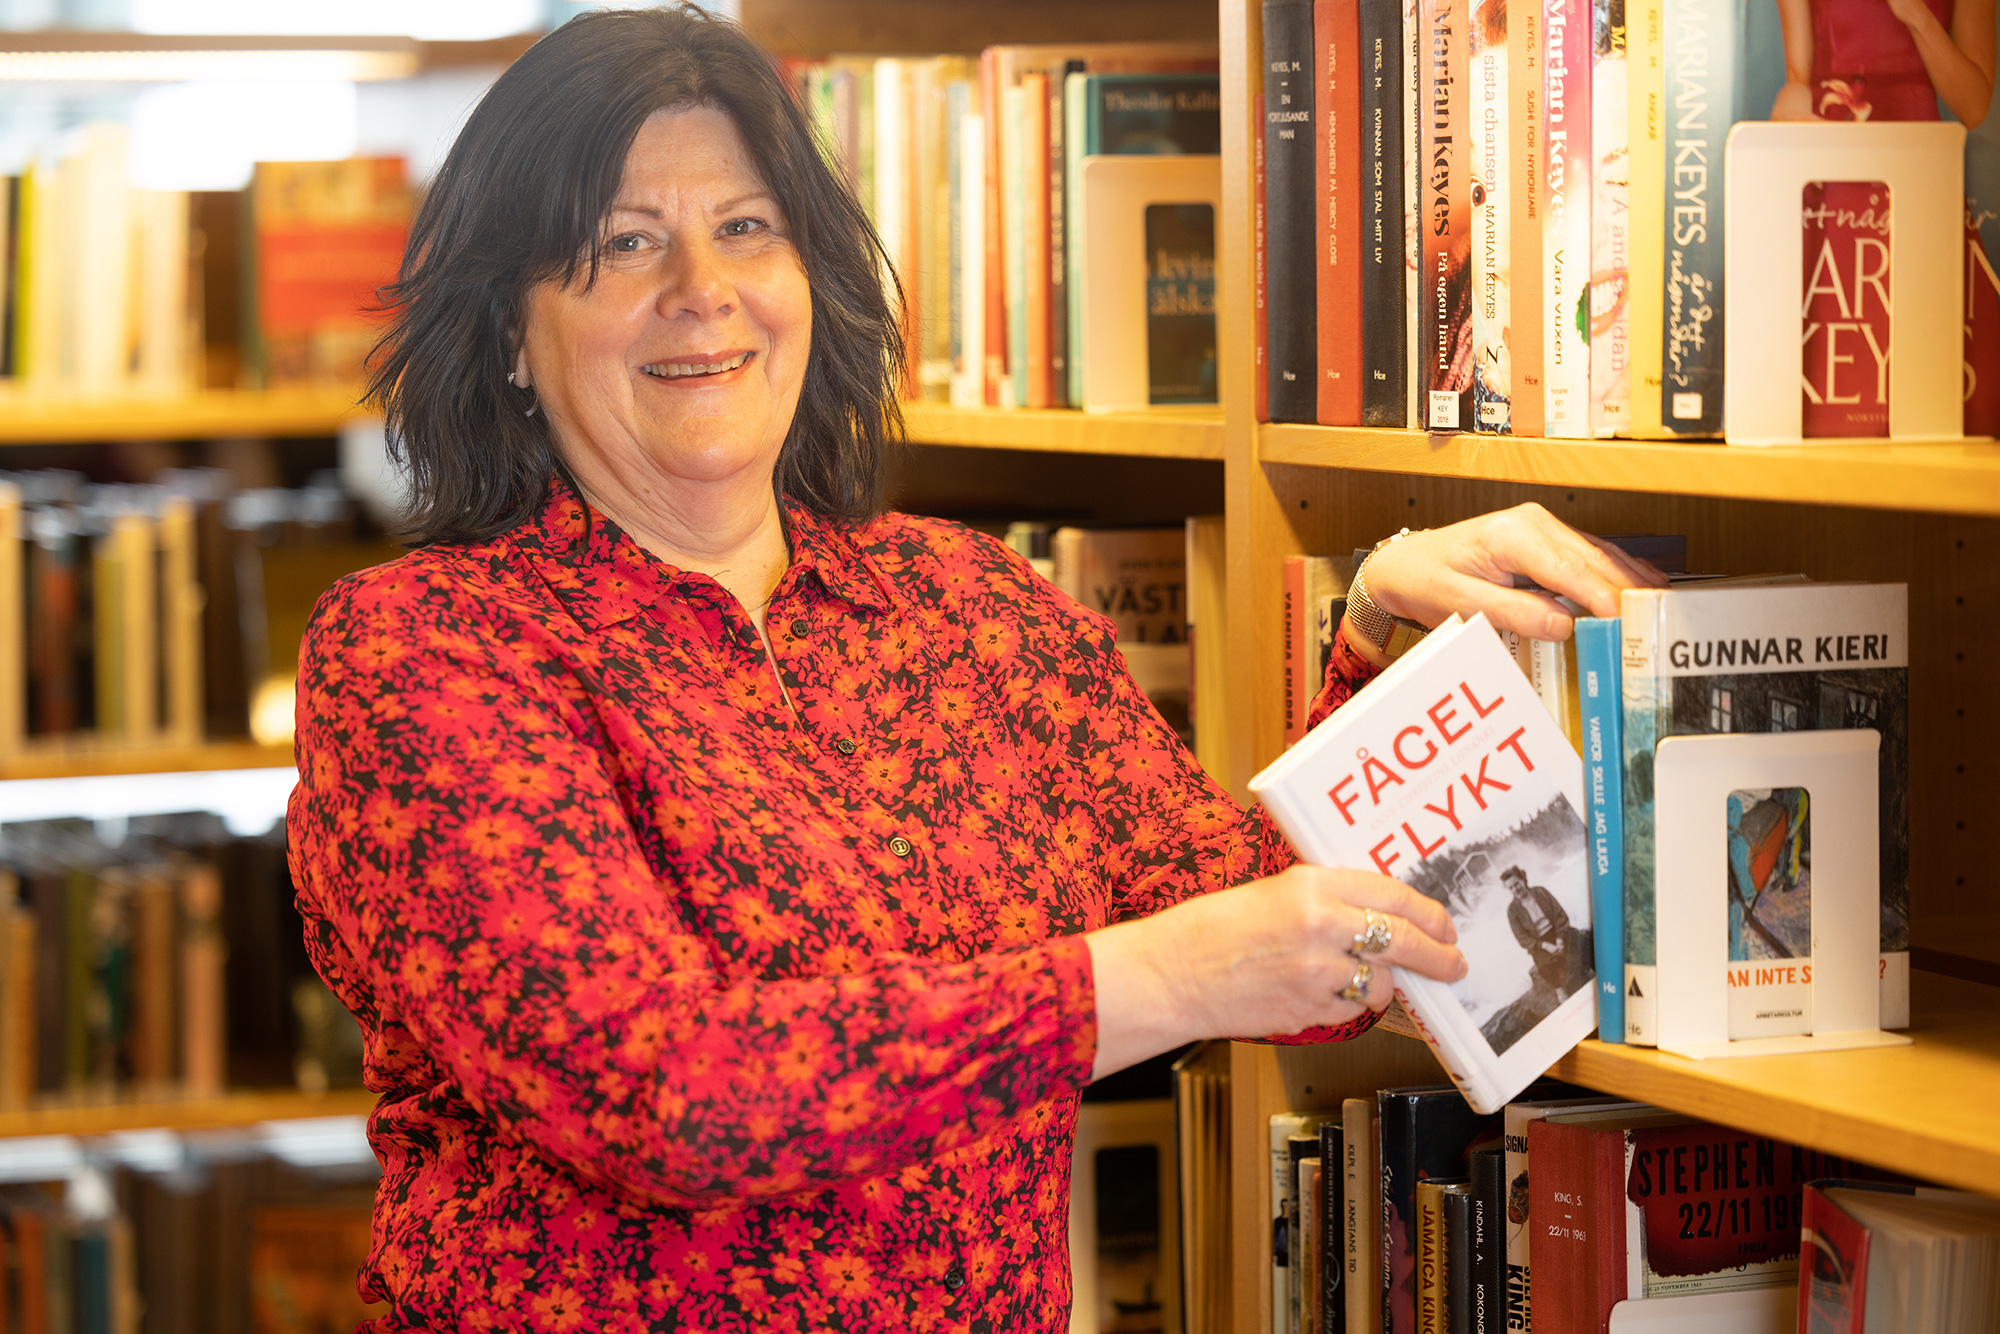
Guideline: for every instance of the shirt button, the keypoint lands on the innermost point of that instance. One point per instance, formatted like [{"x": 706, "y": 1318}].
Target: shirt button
[
  {"x": 846, "y": 746},
  {"x": 900, "y": 846},
  {"x": 954, "y": 1278},
  {"x": 801, "y": 628}
]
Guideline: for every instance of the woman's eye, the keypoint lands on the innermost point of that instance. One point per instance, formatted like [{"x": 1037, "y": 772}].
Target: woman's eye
[
  {"x": 626, "y": 244},
  {"x": 741, "y": 226}
]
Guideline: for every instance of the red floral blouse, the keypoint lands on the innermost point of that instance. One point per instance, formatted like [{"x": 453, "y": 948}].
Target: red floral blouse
[{"x": 703, "y": 996}]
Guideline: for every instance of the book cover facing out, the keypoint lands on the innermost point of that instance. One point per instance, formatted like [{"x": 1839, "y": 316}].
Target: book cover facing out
[{"x": 1180, "y": 303}]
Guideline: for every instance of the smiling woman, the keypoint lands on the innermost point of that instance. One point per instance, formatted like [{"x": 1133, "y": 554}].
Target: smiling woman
[{"x": 735, "y": 884}]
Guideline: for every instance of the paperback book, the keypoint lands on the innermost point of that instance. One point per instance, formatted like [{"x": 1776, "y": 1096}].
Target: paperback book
[{"x": 1447, "y": 773}]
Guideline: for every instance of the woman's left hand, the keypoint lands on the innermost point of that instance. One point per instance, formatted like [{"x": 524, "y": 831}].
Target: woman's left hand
[{"x": 1474, "y": 566}]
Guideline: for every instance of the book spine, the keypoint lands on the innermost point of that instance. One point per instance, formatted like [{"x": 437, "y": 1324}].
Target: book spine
[
  {"x": 1576, "y": 1209},
  {"x": 1524, "y": 217},
  {"x": 1330, "y": 1254},
  {"x": 1432, "y": 1291},
  {"x": 1361, "y": 1204},
  {"x": 1283, "y": 1125},
  {"x": 1036, "y": 306},
  {"x": 1597, "y": 649},
  {"x": 1305, "y": 1247},
  {"x": 1833, "y": 1267},
  {"x": 1610, "y": 230},
  {"x": 1415, "y": 43},
  {"x": 1641, "y": 690},
  {"x": 969, "y": 311},
  {"x": 1566, "y": 220},
  {"x": 1491, "y": 263},
  {"x": 1337, "y": 178},
  {"x": 13, "y": 624},
  {"x": 1078, "y": 93},
  {"x": 1458, "y": 1260},
  {"x": 1057, "y": 165},
  {"x": 202, "y": 961},
  {"x": 1487, "y": 1299},
  {"x": 1296, "y": 649},
  {"x": 1445, "y": 219},
  {"x": 1261, "y": 338},
  {"x": 1014, "y": 177},
  {"x": 1698, "y": 44},
  {"x": 152, "y": 1028},
  {"x": 893, "y": 190},
  {"x": 1645, "y": 217},
  {"x": 1384, "y": 356},
  {"x": 1292, "y": 342},
  {"x": 995, "y": 342}
]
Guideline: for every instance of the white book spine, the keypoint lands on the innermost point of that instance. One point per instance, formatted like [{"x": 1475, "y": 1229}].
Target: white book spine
[
  {"x": 1413, "y": 378},
  {"x": 1490, "y": 261},
  {"x": 968, "y": 381}
]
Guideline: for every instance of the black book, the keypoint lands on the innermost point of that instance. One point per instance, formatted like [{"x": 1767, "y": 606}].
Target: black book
[
  {"x": 1385, "y": 363},
  {"x": 1060, "y": 151},
  {"x": 1290, "y": 311},
  {"x": 1488, "y": 1238},
  {"x": 1458, "y": 1260},
  {"x": 1332, "y": 1294}
]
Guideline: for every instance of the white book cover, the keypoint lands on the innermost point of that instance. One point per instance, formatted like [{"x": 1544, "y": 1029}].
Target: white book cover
[
  {"x": 1447, "y": 773},
  {"x": 968, "y": 388}
]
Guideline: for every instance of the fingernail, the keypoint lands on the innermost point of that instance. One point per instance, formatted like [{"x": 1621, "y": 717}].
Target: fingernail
[{"x": 1464, "y": 967}]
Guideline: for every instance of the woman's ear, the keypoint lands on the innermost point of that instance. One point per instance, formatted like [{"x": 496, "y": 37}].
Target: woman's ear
[{"x": 519, "y": 376}]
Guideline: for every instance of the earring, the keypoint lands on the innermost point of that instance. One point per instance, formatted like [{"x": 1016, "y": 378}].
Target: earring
[{"x": 529, "y": 390}]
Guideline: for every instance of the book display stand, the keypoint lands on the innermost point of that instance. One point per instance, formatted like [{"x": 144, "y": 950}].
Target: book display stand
[
  {"x": 1695, "y": 776},
  {"x": 1766, "y": 167}
]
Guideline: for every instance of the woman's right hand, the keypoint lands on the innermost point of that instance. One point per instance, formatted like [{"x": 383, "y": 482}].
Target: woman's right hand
[{"x": 1269, "y": 957}]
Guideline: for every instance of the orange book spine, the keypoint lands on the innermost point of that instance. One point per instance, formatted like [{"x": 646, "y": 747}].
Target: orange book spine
[
  {"x": 153, "y": 942},
  {"x": 1337, "y": 177},
  {"x": 202, "y": 953},
  {"x": 996, "y": 250},
  {"x": 1035, "y": 235}
]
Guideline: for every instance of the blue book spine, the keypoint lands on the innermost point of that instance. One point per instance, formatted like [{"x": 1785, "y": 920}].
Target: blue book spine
[{"x": 1599, "y": 694}]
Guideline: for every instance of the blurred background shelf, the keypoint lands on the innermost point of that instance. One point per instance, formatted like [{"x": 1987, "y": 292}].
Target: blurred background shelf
[
  {"x": 1175, "y": 433},
  {"x": 1961, "y": 477},
  {"x": 80, "y": 761},
  {"x": 241, "y": 1108},
  {"x": 217, "y": 413}
]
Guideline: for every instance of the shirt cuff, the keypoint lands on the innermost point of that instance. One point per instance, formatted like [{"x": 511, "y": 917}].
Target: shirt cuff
[{"x": 1346, "y": 672}]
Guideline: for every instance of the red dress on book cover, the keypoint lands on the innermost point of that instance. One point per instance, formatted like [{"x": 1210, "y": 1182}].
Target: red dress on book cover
[{"x": 1866, "y": 66}]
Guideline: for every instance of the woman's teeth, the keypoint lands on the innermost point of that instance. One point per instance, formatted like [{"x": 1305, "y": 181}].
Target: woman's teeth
[{"x": 674, "y": 370}]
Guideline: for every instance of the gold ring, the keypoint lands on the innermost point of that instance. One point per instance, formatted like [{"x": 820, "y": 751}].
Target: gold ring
[
  {"x": 1354, "y": 991},
  {"x": 1374, "y": 938}
]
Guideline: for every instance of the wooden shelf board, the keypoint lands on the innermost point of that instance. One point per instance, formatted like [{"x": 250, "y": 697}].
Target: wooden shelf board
[
  {"x": 1176, "y": 433},
  {"x": 30, "y": 419},
  {"x": 82, "y": 762},
  {"x": 241, "y": 1108},
  {"x": 1960, "y": 477},
  {"x": 1928, "y": 1110}
]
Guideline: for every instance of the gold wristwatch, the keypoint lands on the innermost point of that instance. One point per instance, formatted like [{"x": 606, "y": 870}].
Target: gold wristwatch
[{"x": 1391, "y": 634}]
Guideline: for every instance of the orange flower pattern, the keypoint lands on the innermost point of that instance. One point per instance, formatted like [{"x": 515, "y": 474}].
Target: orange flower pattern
[{"x": 698, "y": 1005}]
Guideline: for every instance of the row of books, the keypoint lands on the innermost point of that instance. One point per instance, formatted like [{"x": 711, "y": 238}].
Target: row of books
[
  {"x": 168, "y": 963},
  {"x": 161, "y": 613},
  {"x": 1409, "y": 1211},
  {"x": 1508, "y": 216},
  {"x": 222, "y": 1235},
  {"x": 109, "y": 290},
  {"x": 981, "y": 177}
]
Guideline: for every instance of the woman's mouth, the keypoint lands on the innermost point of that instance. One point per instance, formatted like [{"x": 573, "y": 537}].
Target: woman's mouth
[{"x": 695, "y": 369}]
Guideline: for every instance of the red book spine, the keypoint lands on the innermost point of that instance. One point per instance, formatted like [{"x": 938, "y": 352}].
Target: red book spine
[
  {"x": 1444, "y": 218},
  {"x": 1035, "y": 235},
  {"x": 996, "y": 250},
  {"x": 1833, "y": 1268},
  {"x": 1576, "y": 1206},
  {"x": 1337, "y": 173},
  {"x": 1262, "y": 377}
]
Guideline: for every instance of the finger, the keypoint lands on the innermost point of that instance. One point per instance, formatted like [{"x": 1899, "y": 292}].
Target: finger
[
  {"x": 1641, "y": 570},
  {"x": 1373, "y": 989},
  {"x": 1365, "y": 889},
  {"x": 1523, "y": 611},
  {"x": 1419, "y": 952},
  {"x": 1564, "y": 561}
]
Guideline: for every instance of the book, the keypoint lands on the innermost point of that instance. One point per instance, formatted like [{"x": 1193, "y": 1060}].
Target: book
[
  {"x": 1705, "y": 659},
  {"x": 1433, "y": 1255},
  {"x": 1566, "y": 241},
  {"x": 13, "y": 625},
  {"x": 1306, "y": 1237},
  {"x": 1608, "y": 323},
  {"x": 1337, "y": 190},
  {"x": 1056, "y": 163},
  {"x": 1646, "y": 212},
  {"x": 1208, "y": 640},
  {"x": 1328, "y": 1290},
  {"x": 1414, "y": 62},
  {"x": 1201, "y": 1096},
  {"x": 1033, "y": 380},
  {"x": 1315, "y": 601},
  {"x": 1897, "y": 1258},
  {"x": 968, "y": 313},
  {"x": 1014, "y": 165},
  {"x": 1448, "y": 774},
  {"x": 1486, "y": 1249},
  {"x": 1519, "y": 1234},
  {"x": 1384, "y": 332},
  {"x": 1526, "y": 185},
  {"x": 1699, "y": 46},
  {"x": 1291, "y": 340},
  {"x": 203, "y": 951},
  {"x": 1445, "y": 218},
  {"x": 1457, "y": 1205},
  {"x": 1135, "y": 576},
  {"x": 1260, "y": 266},
  {"x": 1491, "y": 259},
  {"x": 1284, "y": 1127},
  {"x": 1599, "y": 695},
  {"x": 1576, "y": 1209},
  {"x": 1361, "y": 1206},
  {"x": 302, "y": 1265},
  {"x": 1131, "y": 114}
]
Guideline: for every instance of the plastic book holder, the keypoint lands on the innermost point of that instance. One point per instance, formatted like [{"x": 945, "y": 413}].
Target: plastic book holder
[
  {"x": 1693, "y": 777},
  {"x": 1766, "y": 167}
]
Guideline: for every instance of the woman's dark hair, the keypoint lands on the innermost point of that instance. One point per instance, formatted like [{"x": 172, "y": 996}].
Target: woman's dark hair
[{"x": 522, "y": 199}]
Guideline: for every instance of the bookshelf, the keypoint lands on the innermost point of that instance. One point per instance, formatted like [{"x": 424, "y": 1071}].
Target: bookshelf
[
  {"x": 27, "y": 419},
  {"x": 247, "y": 1107}
]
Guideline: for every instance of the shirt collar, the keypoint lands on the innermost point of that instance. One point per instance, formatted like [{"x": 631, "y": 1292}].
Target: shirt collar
[{"x": 604, "y": 577}]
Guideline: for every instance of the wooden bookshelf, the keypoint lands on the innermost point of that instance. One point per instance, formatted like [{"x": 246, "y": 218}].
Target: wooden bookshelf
[
  {"x": 1171, "y": 433},
  {"x": 239, "y": 1108},
  {"x": 31, "y": 419},
  {"x": 1959, "y": 477},
  {"x": 80, "y": 761}
]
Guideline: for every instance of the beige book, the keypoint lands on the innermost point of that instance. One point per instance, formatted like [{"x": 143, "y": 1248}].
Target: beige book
[
  {"x": 202, "y": 954},
  {"x": 1361, "y": 1210},
  {"x": 165, "y": 331},
  {"x": 101, "y": 228},
  {"x": 127, "y": 612},
  {"x": 181, "y": 600}
]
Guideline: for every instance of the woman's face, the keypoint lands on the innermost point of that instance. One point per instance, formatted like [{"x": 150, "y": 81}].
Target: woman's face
[{"x": 682, "y": 363}]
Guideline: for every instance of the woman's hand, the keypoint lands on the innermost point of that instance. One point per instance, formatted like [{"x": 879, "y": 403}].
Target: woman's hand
[
  {"x": 1268, "y": 957},
  {"x": 1474, "y": 566}
]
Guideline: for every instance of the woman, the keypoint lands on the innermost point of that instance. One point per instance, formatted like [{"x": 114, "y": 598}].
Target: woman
[{"x": 735, "y": 884}]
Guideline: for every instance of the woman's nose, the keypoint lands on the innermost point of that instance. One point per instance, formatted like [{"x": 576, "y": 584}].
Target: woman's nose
[{"x": 696, "y": 282}]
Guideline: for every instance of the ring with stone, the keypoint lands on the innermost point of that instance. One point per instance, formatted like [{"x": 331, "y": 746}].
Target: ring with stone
[
  {"x": 1355, "y": 991},
  {"x": 1374, "y": 938}
]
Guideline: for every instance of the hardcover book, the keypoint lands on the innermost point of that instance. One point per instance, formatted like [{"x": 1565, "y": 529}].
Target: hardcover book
[
  {"x": 1525, "y": 187},
  {"x": 1897, "y": 1258},
  {"x": 1384, "y": 335},
  {"x": 1135, "y": 576},
  {"x": 1601, "y": 708},
  {"x": 1337, "y": 179},
  {"x": 1704, "y": 660},
  {"x": 1362, "y": 1209},
  {"x": 1445, "y": 219},
  {"x": 1329, "y": 1290},
  {"x": 1491, "y": 256},
  {"x": 1698, "y": 55},
  {"x": 1486, "y": 1255},
  {"x": 1292, "y": 340},
  {"x": 1447, "y": 773},
  {"x": 1609, "y": 326},
  {"x": 1646, "y": 211},
  {"x": 1566, "y": 246},
  {"x": 1519, "y": 1244}
]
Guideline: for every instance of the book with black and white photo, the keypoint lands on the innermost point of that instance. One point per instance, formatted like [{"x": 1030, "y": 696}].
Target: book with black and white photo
[{"x": 1447, "y": 773}]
